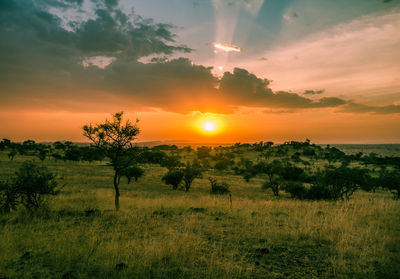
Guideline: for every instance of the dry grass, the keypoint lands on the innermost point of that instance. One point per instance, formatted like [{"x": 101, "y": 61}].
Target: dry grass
[{"x": 161, "y": 233}]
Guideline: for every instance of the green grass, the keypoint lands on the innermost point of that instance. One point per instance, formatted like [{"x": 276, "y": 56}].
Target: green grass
[{"x": 161, "y": 233}]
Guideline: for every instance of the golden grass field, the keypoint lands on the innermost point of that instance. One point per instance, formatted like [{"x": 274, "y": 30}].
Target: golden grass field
[{"x": 161, "y": 233}]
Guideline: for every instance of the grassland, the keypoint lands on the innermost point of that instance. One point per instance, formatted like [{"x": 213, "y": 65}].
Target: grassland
[{"x": 161, "y": 233}]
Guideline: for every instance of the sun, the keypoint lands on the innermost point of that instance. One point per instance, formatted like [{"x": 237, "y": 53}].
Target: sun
[{"x": 209, "y": 126}]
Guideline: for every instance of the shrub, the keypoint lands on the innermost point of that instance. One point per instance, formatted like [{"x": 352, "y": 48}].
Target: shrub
[
  {"x": 203, "y": 152},
  {"x": 274, "y": 184},
  {"x": 29, "y": 187},
  {"x": 8, "y": 197},
  {"x": 291, "y": 173},
  {"x": 296, "y": 189},
  {"x": 171, "y": 162},
  {"x": 173, "y": 177},
  {"x": 218, "y": 187},
  {"x": 320, "y": 191},
  {"x": 391, "y": 181},
  {"x": 33, "y": 183},
  {"x": 133, "y": 172},
  {"x": 223, "y": 164}
]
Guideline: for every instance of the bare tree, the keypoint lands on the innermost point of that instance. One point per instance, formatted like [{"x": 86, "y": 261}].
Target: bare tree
[{"x": 114, "y": 138}]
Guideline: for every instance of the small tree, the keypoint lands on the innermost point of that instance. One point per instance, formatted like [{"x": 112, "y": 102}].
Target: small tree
[
  {"x": 173, "y": 177},
  {"x": 273, "y": 172},
  {"x": 114, "y": 139}
]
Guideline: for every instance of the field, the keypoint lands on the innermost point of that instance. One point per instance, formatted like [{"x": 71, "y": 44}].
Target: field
[{"x": 161, "y": 233}]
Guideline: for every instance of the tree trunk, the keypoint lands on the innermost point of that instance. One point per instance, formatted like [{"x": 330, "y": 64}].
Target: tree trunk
[{"x": 116, "y": 183}]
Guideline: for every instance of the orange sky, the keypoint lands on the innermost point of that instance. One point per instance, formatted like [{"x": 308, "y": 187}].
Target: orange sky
[
  {"x": 287, "y": 70},
  {"x": 321, "y": 127}
]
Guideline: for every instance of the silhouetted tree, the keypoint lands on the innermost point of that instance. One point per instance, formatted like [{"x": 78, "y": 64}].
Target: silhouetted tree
[{"x": 114, "y": 139}]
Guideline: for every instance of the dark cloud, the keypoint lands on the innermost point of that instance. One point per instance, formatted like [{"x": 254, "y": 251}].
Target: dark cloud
[
  {"x": 313, "y": 92},
  {"x": 42, "y": 66},
  {"x": 244, "y": 88}
]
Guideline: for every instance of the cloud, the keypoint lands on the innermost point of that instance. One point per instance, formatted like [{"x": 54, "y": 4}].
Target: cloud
[
  {"x": 96, "y": 65},
  {"x": 352, "y": 107},
  {"x": 313, "y": 92},
  {"x": 354, "y": 57},
  {"x": 226, "y": 47}
]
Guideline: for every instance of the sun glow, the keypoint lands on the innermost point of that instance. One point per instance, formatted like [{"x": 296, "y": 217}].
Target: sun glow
[{"x": 209, "y": 125}]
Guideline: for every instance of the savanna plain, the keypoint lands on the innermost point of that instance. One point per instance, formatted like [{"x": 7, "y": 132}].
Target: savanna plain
[{"x": 160, "y": 232}]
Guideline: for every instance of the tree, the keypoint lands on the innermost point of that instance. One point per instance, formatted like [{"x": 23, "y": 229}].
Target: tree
[
  {"x": 391, "y": 181},
  {"x": 336, "y": 183},
  {"x": 114, "y": 139},
  {"x": 273, "y": 172},
  {"x": 190, "y": 172}
]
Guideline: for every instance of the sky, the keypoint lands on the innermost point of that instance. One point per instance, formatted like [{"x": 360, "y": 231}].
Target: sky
[{"x": 279, "y": 70}]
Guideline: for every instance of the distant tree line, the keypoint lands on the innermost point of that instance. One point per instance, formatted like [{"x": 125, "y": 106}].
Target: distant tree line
[{"x": 302, "y": 169}]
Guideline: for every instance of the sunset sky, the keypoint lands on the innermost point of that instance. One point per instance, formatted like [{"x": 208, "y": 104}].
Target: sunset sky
[{"x": 202, "y": 70}]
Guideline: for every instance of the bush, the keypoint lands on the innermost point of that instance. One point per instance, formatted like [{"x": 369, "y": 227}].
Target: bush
[
  {"x": 274, "y": 184},
  {"x": 296, "y": 189},
  {"x": 8, "y": 197},
  {"x": 171, "y": 162},
  {"x": 223, "y": 164},
  {"x": 218, "y": 187},
  {"x": 391, "y": 181},
  {"x": 133, "y": 172},
  {"x": 319, "y": 191},
  {"x": 173, "y": 177},
  {"x": 29, "y": 187},
  {"x": 32, "y": 183}
]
